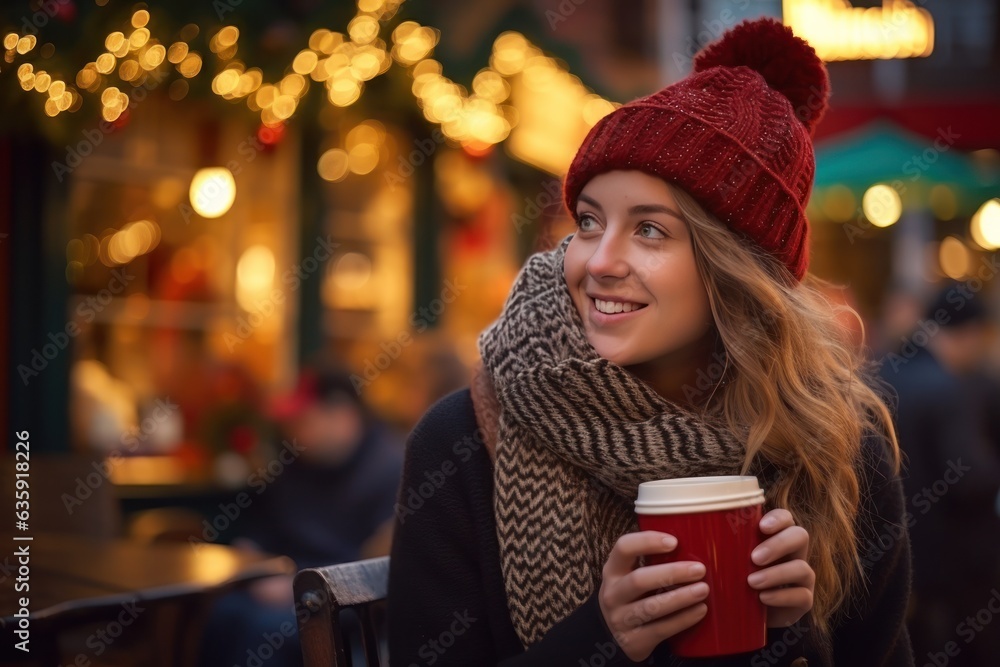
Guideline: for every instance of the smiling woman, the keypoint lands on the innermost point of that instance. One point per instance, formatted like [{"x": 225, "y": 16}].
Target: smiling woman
[
  {"x": 632, "y": 274},
  {"x": 689, "y": 260}
]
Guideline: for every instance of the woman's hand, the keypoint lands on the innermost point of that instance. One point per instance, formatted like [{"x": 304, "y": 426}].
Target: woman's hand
[
  {"x": 786, "y": 585},
  {"x": 640, "y": 618}
]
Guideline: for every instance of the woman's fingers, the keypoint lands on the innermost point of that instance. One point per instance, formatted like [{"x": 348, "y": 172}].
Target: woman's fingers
[
  {"x": 799, "y": 597},
  {"x": 640, "y": 621},
  {"x": 643, "y": 580},
  {"x": 648, "y": 610},
  {"x": 625, "y": 554},
  {"x": 790, "y": 573},
  {"x": 786, "y": 585},
  {"x": 775, "y": 520},
  {"x": 791, "y": 542},
  {"x": 641, "y": 639}
]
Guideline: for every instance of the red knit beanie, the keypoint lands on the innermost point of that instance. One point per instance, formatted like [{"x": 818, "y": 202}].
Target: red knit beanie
[{"x": 736, "y": 135}]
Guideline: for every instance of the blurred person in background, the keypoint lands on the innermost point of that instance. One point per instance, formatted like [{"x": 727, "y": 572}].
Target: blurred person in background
[
  {"x": 332, "y": 502},
  {"x": 953, "y": 474}
]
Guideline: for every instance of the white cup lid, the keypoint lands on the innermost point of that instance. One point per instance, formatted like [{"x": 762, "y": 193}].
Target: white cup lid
[{"x": 687, "y": 495}]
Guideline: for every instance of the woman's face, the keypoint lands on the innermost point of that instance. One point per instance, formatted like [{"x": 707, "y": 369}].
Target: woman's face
[{"x": 632, "y": 252}]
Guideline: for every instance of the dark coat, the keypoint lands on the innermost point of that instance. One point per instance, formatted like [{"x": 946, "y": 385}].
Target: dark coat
[
  {"x": 447, "y": 602},
  {"x": 951, "y": 475}
]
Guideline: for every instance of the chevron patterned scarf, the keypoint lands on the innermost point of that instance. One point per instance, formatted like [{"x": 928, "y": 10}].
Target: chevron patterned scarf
[{"x": 576, "y": 435}]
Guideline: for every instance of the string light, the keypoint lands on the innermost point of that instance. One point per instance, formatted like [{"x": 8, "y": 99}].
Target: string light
[{"x": 342, "y": 62}]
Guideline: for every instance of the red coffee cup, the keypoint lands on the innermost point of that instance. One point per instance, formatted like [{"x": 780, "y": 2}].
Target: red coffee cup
[{"x": 716, "y": 522}]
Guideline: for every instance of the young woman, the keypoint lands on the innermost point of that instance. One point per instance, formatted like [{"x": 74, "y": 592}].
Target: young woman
[{"x": 674, "y": 334}]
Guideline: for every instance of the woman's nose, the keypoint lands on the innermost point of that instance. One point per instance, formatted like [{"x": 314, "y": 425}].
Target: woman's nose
[{"x": 608, "y": 260}]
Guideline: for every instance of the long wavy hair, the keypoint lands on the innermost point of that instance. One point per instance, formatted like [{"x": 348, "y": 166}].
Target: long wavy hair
[{"x": 800, "y": 390}]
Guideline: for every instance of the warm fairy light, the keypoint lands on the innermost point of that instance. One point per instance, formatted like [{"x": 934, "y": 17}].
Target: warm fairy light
[
  {"x": 25, "y": 44},
  {"x": 225, "y": 39},
  {"x": 595, "y": 108},
  {"x": 293, "y": 85},
  {"x": 344, "y": 92},
  {"x": 510, "y": 50},
  {"x": 190, "y": 66},
  {"x": 225, "y": 82},
  {"x": 881, "y": 205},
  {"x": 212, "y": 191},
  {"x": 249, "y": 82},
  {"x": 363, "y": 158},
  {"x": 116, "y": 247},
  {"x": 366, "y": 132},
  {"x": 336, "y": 66},
  {"x": 105, "y": 63},
  {"x": 343, "y": 62},
  {"x": 110, "y": 96},
  {"x": 316, "y": 38},
  {"x": 114, "y": 41},
  {"x": 305, "y": 62},
  {"x": 129, "y": 70},
  {"x": 954, "y": 258},
  {"x": 177, "y": 52},
  {"x": 42, "y": 81},
  {"x": 985, "y": 225},
  {"x": 412, "y": 42},
  {"x": 363, "y": 29},
  {"x": 352, "y": 271},
  {"x": 266, "y": 95},
  {"x": 333, "y": 165},
  {"x": 254, "y": 276},
  {"x": 138, "y": 38},
  {"x": 283, "y": 107},
  {"x": 153, "y": 57},
  {"x": 87, "y": 77},
  {"x": 365, "y": 65},
  {"x": 489, "y": 85}
]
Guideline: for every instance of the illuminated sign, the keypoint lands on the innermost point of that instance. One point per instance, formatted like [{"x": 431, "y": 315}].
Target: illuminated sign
[{"x": 839, "y": 31}]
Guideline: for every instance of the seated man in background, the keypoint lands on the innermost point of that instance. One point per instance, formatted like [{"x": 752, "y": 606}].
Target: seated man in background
[{"x": 332, "y": 504}]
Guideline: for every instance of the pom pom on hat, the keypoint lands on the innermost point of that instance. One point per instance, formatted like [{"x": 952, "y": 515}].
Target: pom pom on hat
[{"x": 787, "y": 63}]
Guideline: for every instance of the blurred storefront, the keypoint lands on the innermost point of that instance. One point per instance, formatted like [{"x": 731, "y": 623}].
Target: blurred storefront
[
  {"x": 203, "y": 198},
  {"x": 199, "y": 204}
]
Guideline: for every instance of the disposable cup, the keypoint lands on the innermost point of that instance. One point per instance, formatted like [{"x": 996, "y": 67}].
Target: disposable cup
[{"x": 716, "y": 521}]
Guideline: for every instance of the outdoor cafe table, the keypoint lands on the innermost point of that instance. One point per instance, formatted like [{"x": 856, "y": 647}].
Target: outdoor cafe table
[{"x": 74, "y": 580}]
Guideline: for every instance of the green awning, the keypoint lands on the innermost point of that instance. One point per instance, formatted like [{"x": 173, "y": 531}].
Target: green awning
[{"x": 881, "y": 152}]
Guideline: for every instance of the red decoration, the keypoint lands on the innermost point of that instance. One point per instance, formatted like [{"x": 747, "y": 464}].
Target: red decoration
[
  {"x": 242, "y": 439},
  {"x": 270, "y": 136},
  {"x": 65, "y": 10}
]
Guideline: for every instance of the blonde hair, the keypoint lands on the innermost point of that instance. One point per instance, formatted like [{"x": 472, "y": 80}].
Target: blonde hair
[{"x": 799, "y": 390}]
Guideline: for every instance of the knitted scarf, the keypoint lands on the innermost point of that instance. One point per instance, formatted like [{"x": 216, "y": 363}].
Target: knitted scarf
[{"x": 576, "y": 434}]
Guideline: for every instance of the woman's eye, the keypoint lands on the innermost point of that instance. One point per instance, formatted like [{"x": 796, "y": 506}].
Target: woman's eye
[
  {"x": 649, "y": 231},
  {"x": 583, "y": 221}
]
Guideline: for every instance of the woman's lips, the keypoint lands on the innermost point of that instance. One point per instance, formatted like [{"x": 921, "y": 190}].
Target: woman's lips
[{"x": 601, "y": 319}]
